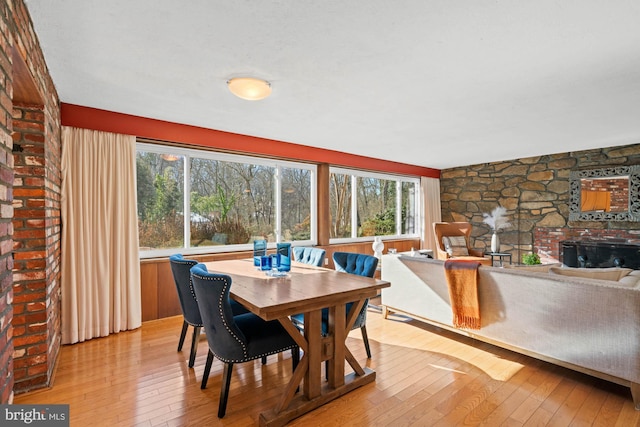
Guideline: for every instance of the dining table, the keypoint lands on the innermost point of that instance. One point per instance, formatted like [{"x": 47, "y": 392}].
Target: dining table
[{"x": 307, "y": 289}]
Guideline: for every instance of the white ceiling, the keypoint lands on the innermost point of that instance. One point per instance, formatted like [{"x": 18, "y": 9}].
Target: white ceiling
[{"x": 436, "y": 83}]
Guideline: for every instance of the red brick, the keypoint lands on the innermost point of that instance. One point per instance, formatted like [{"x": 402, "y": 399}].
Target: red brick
[
  {"x": 21, "y": 125},
  {"x": 37, "y": 369},
  {"x": 37, "y": 349},
  {"x": 19, "y": 330},
  {"x": 28, "y": 234},
  {"x": 28, "y": 192},
  {"x": 33, "y": 265},
  {"x": 30, "y": 255},
  {"x": 29, "y": 339},
  {"x": 36, "y": 306},
  {"x": 35, "y": 243},
  {"x": 37, "y": 328},
  {"x": 32, "y": 149},
  {"x": 34, "y": 115},
  {"x": 29, "y": 275},
  {"x": 36, "y": 287},
  {"x": 28, "y": 297},
  {"x": 37, "y": 317},
  {"x": 19, "y": 374}
]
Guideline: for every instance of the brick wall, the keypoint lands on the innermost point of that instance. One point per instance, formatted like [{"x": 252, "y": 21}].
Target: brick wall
[
  {"x": 30, "y": 116},
  {"x": 6, "y": 214},
  {"x": 535, "y": 192},
  {"x": 36, "y": 320}
]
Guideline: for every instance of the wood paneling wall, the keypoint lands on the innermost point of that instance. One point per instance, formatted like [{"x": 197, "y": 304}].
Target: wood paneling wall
[{"x": 159, "y": 296}]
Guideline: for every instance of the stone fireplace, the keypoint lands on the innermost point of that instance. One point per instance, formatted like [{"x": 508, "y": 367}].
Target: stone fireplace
[{"x": 536, "y": 193}]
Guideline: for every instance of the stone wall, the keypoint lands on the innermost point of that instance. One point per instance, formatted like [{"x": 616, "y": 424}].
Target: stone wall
[{"x": 535, "y": 192}]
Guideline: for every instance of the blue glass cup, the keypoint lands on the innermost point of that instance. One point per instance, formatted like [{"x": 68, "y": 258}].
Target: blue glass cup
[
  {"x": 259, "y": 249},
  {"x": 283, "y": 250},
  {"x": 284, "y": 263},
  {"x": 265, "y": 263}
]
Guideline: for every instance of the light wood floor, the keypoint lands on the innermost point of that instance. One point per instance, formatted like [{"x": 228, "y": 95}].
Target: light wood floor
[{"x": 425, "y": 377}]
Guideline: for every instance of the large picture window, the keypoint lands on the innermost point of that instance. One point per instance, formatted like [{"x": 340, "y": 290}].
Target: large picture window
[
  {"x": 229, "y": 200},
  {"x": 365, "y": 204}
]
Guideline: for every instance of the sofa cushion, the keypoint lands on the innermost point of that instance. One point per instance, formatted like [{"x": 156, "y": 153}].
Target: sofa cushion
[
  {"x": 537, "y": 268},
  {"x": 632, "y": 279},
  {"x": 455, "y": 245},
  {"x": 612, "y": 274}
]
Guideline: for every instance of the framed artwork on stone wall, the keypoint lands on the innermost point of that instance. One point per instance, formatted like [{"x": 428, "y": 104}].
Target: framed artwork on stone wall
[{"x": 605, "y": 194}]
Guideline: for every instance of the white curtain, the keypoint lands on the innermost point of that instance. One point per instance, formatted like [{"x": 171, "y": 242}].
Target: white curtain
[
  {"x": 432, "y": 210},
  {"x": 100, "y": 261}
]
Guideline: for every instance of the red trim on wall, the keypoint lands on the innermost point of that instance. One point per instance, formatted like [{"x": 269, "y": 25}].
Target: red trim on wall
[{"x": 108, "y": 121}]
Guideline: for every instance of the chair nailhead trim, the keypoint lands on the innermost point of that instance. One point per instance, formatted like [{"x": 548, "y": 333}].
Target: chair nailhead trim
[
  {"x": 193, "y": 293},
  {"x": 224, "y": 321},
  {"x": 244, "y": 349}
]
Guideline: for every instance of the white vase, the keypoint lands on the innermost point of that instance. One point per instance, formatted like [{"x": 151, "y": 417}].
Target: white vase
[
  {"x": 495, "y": 242},
  {"x": 377, "y": 247}
]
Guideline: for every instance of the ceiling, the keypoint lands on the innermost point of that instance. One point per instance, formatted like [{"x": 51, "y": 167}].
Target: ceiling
[{"x": 435, "y": 83}]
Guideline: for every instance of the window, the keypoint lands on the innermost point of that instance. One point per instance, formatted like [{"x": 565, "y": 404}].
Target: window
[
  {"x": 340, "y": 204},
  {"x": 365, "y": 204},
  {"x": 160, "y": 185},
  {"x": 231, "y": 200}
]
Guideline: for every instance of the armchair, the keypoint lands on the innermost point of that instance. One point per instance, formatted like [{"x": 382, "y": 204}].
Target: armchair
[{"x": 456, "y": 235}]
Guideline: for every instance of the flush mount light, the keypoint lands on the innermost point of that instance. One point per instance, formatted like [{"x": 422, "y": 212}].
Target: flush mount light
[
  {"x": 249, "y": 88},
  {"x": 169, "y": 157}
]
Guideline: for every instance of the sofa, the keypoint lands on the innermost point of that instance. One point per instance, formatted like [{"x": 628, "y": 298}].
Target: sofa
[{"x": 588, "y": 321}]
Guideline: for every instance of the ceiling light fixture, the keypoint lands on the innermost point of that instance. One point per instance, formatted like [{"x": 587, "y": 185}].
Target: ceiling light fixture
[
  {"x": 169, "y": 157},
  {"x": 249, "y": 88}
]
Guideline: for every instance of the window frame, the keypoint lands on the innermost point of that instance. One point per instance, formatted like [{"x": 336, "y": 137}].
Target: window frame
[
  {"x": 278, "y": 164},
  {"x": 399, "y": 179}
]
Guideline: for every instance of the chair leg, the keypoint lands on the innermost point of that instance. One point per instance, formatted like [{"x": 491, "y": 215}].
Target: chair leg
[
  {"x": 183, "y": 334},
  {"x": 207, "y": 370},
  {"x": 194, "y": 345},
  {"x": 365, "y": 338},
  {"x": 264, "y": 360},
  {"x": 224, "y": 392}
]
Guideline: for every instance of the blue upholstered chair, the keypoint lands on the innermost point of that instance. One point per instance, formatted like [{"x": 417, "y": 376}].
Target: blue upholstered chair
[
  {"x": 353, "y": 263},
  {"x": 362, "y": 265},
  {"x": 308, "y": 255},
  {"x": 181, "y": 269},
  {"x": 234, "y": 339}
]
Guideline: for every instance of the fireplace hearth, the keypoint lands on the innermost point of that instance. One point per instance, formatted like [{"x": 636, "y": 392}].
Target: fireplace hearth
[{"x": 600, "y": 253}]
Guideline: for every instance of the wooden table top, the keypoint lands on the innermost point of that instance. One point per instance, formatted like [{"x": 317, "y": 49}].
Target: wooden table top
[{"x": 305, "y": 288}]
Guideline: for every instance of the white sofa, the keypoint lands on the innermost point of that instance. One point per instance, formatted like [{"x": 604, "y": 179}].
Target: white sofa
[{"x": 589, "y": 325}]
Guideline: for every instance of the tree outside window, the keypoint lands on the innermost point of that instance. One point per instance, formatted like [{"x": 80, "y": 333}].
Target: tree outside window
[
  {"x": 380, "y": 205},
  {"x": 232, "y": 200},
  {"x": 160, "y": 200}
]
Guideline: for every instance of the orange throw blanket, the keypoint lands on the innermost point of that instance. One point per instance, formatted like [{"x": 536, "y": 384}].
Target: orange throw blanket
[{"x": 462, "y": 278}]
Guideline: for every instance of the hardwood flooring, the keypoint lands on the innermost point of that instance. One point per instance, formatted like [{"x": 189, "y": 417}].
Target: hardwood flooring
[{"x": 425, "y": 377}]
